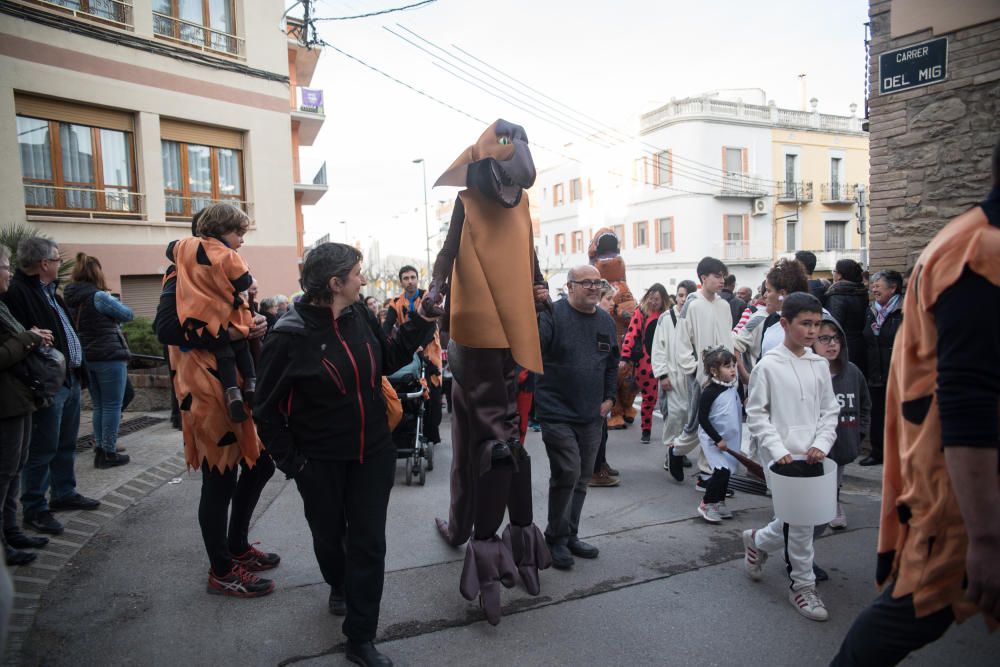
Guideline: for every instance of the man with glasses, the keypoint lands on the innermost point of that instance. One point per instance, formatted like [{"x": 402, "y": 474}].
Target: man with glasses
[
  {"x": 33, "y": 300},
  {"x": 580, "y": 354}
]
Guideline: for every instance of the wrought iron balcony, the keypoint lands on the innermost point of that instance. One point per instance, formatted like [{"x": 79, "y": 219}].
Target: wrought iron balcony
[
  {"x": 794, "y": 191},
  {"x": 197, "y": 36},
  {"x": 838, "y": 193},
  {"x": 41, "y": 199},
  {"x": 116, "y": 12}
]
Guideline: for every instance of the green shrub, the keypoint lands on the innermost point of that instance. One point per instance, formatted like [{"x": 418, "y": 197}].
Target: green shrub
[{"x": 141, "y": 338}]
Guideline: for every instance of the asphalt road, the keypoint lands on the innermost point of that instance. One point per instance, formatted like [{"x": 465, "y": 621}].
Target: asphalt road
[{"x": 667, "y": 588}]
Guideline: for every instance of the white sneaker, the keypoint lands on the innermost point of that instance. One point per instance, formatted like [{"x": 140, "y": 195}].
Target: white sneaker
[
  {"x": 753, "y": 558},
  {"x": 840, "y": 521},
  {"x": 807, "y": 603},
  {"x": 709, "y": 512},
  {"x": 723, "y": 511}
]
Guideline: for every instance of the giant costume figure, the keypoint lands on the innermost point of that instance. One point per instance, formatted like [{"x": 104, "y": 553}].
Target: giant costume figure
[
  {"x": 488, "y": 271},
  {"x": 605, "y": 254}
]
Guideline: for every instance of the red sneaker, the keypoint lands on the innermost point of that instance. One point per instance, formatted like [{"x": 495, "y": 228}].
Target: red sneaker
[
  {"x": 255, "y": 560},
  {"x": 239, "y": 583}
]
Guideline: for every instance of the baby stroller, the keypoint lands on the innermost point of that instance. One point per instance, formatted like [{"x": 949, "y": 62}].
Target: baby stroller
[{"x": 408, "y": 437}]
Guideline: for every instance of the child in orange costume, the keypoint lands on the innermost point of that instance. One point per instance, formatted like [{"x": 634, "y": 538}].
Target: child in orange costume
[{"x": 605, "y": 254}]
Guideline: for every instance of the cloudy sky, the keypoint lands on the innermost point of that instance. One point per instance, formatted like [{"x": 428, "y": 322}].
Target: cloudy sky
[{"x": 607, "y": 60}]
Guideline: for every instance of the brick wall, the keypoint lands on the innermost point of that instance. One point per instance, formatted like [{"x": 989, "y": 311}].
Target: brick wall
[{"x": 930, "y": 147}]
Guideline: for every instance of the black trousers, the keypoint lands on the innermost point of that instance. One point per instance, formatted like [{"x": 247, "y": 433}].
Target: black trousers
[
  {"x": 432, "y": 419},
  {"x": 888, "y": 631},
  {"x": 232, "y": 356},
  {"x": 332, "y": 491},
  {"x": 878, "y": 420},
  {"x": 602, "y": 450},
  {"x": 218, "y": 490}
]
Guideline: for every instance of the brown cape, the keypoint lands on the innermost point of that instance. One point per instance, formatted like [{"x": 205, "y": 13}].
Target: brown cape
[{"x": 492, "y": 295}]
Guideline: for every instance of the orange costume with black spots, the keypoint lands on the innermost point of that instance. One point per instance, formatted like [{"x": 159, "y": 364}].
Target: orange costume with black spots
[
  {"x": 605, "y": 255},
  {"x": 923, "y": 539},
  {"x": 206, "y": 271}
]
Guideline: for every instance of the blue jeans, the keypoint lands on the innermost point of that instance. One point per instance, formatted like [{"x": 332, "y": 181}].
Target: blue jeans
[
  {"x": 107, "y": 388},
  {"x": 52, "y": 452}
]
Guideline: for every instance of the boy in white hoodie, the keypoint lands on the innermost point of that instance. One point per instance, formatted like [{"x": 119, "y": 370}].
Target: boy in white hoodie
[{"x": 792, "y": 411}]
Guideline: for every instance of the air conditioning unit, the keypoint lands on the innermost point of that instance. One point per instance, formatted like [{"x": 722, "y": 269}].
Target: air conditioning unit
[{"x": 758, "y": 207}]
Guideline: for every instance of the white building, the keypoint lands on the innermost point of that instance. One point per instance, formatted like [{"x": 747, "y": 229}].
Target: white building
[{"x": 700, "y": 180}]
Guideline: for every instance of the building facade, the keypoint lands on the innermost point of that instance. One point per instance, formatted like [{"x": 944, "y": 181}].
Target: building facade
[
  {"x": 707, "y": 177},
  {"x": 932, "y": 131},
  {"x": 130, "y": 115}
]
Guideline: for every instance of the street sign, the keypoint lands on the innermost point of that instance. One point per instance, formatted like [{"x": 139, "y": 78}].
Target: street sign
[{"x": 913, "y": 66}]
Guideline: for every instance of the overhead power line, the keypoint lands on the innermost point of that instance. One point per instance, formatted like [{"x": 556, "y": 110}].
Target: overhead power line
[
  {"x": 589, "y": 129},
  {"x": 370, "y": 14}
]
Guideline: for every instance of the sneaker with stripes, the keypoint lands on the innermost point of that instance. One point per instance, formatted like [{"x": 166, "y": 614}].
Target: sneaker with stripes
[
  {"x": 807, "y": 603},
  {"x": 239, "y": 582},
  {"x": 753, "y": 558}
]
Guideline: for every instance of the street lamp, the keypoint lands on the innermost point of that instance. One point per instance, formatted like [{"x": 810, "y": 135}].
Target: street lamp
[
  {"x": 427, "y": 227},
  {"x": 346, "y": 240}
]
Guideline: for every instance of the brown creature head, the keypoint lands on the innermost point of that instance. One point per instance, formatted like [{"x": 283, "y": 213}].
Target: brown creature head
[{"x": 504, "y": 147}]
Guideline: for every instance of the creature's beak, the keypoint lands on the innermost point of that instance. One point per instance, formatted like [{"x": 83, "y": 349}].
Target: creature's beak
[{"x": 520, "y": 168}]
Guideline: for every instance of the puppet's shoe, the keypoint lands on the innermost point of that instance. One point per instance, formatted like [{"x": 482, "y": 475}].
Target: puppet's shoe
[
  {"x": 488, "y": 564},
  {"x": 235, "y": 404},
  {"x": 249, "y": 390},
  {"x": 530, "y": 553}
]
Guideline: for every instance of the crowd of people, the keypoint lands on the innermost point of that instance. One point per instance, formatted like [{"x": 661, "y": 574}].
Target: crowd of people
[{"x": 800, "y": 371}]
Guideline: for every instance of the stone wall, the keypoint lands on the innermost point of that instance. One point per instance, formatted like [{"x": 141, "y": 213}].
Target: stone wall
[{"x": 930, "y": 147}]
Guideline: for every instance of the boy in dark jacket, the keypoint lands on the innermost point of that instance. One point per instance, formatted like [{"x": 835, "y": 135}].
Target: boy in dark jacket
[{"x": 855, "y": 404}]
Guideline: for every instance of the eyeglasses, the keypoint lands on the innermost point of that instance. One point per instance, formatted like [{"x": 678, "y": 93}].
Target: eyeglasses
[
  {"x": 826, "y": 340},
  {"x": 53, "y": 259},
  {"x": 587, "y": 284}
]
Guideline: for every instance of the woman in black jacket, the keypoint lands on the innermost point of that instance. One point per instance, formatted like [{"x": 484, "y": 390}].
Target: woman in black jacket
[
  {"x": 320, "y": 413},
  {"x": 847, "y": 301},
  {"x": 883, "y": 320},
  {"x": 16, "y": 405}
]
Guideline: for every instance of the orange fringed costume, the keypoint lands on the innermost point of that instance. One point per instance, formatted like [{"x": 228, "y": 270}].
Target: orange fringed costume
[
  {"x": 432, "y": 350},
  {"x": 612, "y": 268},
  {"x": 927, "y": 546},
  {"x": 205, "y": 302}
]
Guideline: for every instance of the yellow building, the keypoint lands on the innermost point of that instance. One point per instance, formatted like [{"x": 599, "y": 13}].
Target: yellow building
[{"x": 820, "y": 178}]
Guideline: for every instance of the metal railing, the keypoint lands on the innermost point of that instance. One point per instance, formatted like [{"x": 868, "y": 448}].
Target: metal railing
[
  {"x": 116, "y": 12},
  {"x": 197, "y": 36},
  {"x": 40, "y": 198},
  {"x": 742, "y": 185},
  {"x": 181, "y": 208},
  {"x": 309, "y": 100},
  {"x": 794, "y": 191},
  {"x": 744, "y": 249},
  {"x": 838, "y": 193},
  {"x": 320, "y": 177}
]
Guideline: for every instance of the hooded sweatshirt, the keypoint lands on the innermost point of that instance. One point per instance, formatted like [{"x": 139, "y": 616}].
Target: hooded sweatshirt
[
  {"x": 855, "y": 404},
  {"x": 791, "y": 406}
]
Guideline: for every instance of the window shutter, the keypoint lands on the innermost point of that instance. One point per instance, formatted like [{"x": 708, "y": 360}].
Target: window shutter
[
  {"x": 142, "y": 294},
  {"x": 203, "y": 135},
  {"x": 670, "y": 168},
  {"x": 746, "y": 162},
  {"x": 659, "y": 221},
  {"x": 746, "y": 226},
  {"x": 673, "y": 237},
  {"x": 49, "y": 108}
]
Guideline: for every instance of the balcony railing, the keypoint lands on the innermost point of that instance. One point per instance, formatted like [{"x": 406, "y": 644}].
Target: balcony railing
[
  {"x": 197, "y": 36},
  {"x": 742, "y": 185},
  {"x": 182, "y": 208},
  {"x": 712, "y": 107},
  {"x": 794, "y": 191},
  {"x": 82, "y": 202},
  {"x": 309, "y": 100},
  {"x": 744, "y": 249},
  {"x": 320, "y": 177},
  {"x": 115, "y": 12},
  {"x": 838, "y": 193}
]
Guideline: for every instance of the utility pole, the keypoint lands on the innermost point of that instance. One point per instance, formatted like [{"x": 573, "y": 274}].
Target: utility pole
[{"x": 427, "y": 225}]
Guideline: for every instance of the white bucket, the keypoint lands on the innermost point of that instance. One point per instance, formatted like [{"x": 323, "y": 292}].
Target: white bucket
[{"x": 805, "y": 501}]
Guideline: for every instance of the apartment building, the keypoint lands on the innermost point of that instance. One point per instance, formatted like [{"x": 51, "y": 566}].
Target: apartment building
[
  {"x": 127, "y": 116},
  {"x": 702, "y": 178}
]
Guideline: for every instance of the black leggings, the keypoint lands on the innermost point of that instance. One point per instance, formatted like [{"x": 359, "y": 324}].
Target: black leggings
[
  {"x": 231, "y": 356},
  {"x": 217, "y": 490}
]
